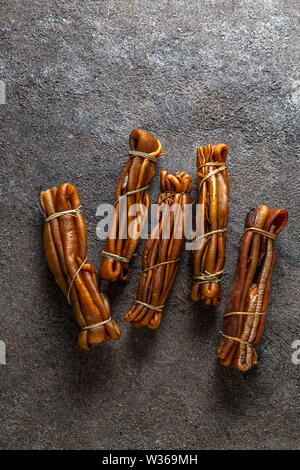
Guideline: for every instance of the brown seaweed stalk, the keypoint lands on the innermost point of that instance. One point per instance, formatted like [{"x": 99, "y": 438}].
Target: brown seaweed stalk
[
  {"x": 209, "y": 258},
  {"x": 134, "y": 180},
  {"x": 65, "y": 248},
  {"x": 161, "y": 253},
  {"x": 247, "y": 301}
]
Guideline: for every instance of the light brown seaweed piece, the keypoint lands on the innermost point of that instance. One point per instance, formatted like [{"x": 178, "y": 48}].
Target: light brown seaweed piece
[
  {"x": 137, "y": 174},
  {"x": 209, "y": 258},
  {"x": 250, "y": 288},
  {"x": 65, "y": 246},
  {"x": 161, "y": 254}
]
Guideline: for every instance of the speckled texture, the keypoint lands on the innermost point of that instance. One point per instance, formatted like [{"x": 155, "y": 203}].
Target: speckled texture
[{"x": 79, "y": 76}]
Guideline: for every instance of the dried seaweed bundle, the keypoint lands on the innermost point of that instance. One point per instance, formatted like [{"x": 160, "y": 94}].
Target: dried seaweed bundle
[
  {"x": 133, "y": 183},
  {"x": 247, "y": 301},
  {"x": 65, "y": 247},
  {"x": 209, "y": 257},
  {"x": 162, "y": 251}
]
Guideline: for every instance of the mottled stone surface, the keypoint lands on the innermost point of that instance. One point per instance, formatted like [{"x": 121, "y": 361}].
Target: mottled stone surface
[{"x": 79, "y": 76}]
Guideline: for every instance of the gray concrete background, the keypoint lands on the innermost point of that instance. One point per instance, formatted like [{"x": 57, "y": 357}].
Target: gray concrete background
[{"x": 79, "y": 76}]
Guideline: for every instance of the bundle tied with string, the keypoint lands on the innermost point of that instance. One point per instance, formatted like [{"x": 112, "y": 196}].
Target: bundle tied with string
[
  {"x": 247, "y": 301},
  {"x": 162, "y": 251},
  {"x": 131, "y": 193},
  {"x": 211, "y": 223},
  {"x": 65, "y": 246}
]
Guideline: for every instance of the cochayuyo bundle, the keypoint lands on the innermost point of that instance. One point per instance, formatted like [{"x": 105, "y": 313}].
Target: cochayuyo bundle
[
  {"x": 162, "y": 251},
  {"x": 65, "y": 246},
  {"x": 247, "y": 302},
  {"x": 212, "y": 214},
  {"x": 133, "y": 183}
]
